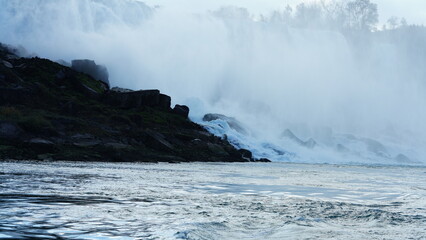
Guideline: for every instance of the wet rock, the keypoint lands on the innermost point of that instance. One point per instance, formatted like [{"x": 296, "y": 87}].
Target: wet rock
[
  {"x": 232, "y": 122},
  {"x": 341, "y": 148},
  {"x": 263, "y": 160},
  {"x": 71, "y": 108},
  {"x": 311, "y": 143},
  {"x": 89, "y": 91},
  {"x": 7, "y": 64},
  {"x": 23, "y": 66},
  {"x": 157, "y": 141},
  {"x": 90, "y": 68},
  {"x": 45, "y": 157},
  {"x": 64, "y": 63},
  {"x": 197, "y": 142},
  {"x": 40, "y": 145},
  {"x": 138, "y": 99},
  {"x": 12, "y": 57},
  {"x": 54, "y": 103},
  {"x": 376, "y": 147},
  {"x": 118, "y": 146},
  {"x": 290, "y": 135},
  {"x": 167, "y": 158},
  {"x": 246, "y": 154},
  {"x": 120, "y": 90},
  {"x": 40, "y": 141},
  {"x": 15, "y": 95},
  {"x": 181, "y": 110},
  {"x": 61, "y": 75},
  {"x": 217, "y": 150},
  {"x": 9, "y": 130},
  {"x": 87, "y": 143},
  {"x": 164, "y": 101},
  {"x": 402, "y": 158},
  {"x": 80, "y": 136}
]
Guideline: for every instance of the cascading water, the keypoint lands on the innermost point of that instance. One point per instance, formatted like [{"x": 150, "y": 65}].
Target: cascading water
[{"x": 303, "y": 92}]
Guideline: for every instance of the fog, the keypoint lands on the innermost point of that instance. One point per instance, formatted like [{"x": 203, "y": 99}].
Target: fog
[
  {"x": 313, "y": 70},
  {"x": 412, "y": 10}
]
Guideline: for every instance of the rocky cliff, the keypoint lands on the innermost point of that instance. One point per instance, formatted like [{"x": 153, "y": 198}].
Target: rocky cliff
[{"x": 52, "y": 112}]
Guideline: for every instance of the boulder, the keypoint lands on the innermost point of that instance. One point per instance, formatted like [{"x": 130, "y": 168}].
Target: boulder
[
  {"x": 64, "y": 63},
  {"x": 87, "y": 143},
  {"x": 217, "y": 150},
  {"x": 246, "y": 154},
  {"x": 341, "y": 148},
  {"x": 402, "y": 158},
  {"x": 9, "y": 130},
  {"x": 90, "y": 68},
  {"x": 232, "y": 122},
  {"x": 181, "y": 110},
  {"x": 376, "y": 147},
  {"x": 118, "y": 146},
  {"x": 137, "y": 99},
  {"x": 157, "y": 141},
  {"x": 40, "y": 145},
  {"x": 71, "y": 108},
  {"x": 15, "y": 95},
  {"x": 263, "y": 160},
  {"x": 164, "y": 102},
  {"x": 40, "y": 141},
  {"x": 61, "y": 75},
  {"x": 7, "y": 64},
  {"x": 311, "y": 143},
  {"x": 121, "y": 90}
]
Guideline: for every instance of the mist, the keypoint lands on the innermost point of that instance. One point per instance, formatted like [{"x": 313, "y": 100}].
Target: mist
[{"x": 312, "y": 69}]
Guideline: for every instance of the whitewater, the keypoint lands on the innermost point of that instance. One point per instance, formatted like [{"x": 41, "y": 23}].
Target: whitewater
[{"x": 302, "y": 92}]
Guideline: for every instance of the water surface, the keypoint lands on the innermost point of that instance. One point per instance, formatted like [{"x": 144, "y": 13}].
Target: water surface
[{"x": 64, "y": 200}]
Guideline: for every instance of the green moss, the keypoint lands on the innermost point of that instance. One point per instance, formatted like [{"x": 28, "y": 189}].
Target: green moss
[
  {"x": 96, "y": 85},
  {"x": 34, "y": 123},
  {"x": 7, "y": 113},
  {"x": 4, "y": 148}
]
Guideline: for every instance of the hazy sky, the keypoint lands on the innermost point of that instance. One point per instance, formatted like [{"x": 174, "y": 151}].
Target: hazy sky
[{"x": 413, "y": 10}]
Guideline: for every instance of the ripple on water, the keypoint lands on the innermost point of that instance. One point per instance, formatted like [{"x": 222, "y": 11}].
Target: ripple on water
[{"x": 202, "y": 201}]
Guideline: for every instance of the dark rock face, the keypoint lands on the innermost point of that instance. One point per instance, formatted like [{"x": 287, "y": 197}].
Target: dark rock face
[
  {"x": 181, "y": 110},
  {"x": 71, "y": 108},
  {"x": 7, "y": 64},
  {"x": 157, "y": 141},
  {"x": 263, "y": 160},
  {"x": 90, "y": 68},
  {"x": 164, "y": 101},
  {"x": 15, "y": 95},
  {"x": 51, "y": 112},
  {"x": 138, "y": 99},
  {"x": 9, "y": 130},
  {"x": 246, "y": 154}
]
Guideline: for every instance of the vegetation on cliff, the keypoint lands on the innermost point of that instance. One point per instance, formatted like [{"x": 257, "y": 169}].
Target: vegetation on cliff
[{"x": 50, "y": 111}]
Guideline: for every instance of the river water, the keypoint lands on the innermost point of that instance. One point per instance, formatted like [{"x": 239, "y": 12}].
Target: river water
[{"x": 66, "y": 200}]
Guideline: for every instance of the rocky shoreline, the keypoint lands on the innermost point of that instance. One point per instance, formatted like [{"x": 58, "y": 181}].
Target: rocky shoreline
[{"x": 49, "y": 111}]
